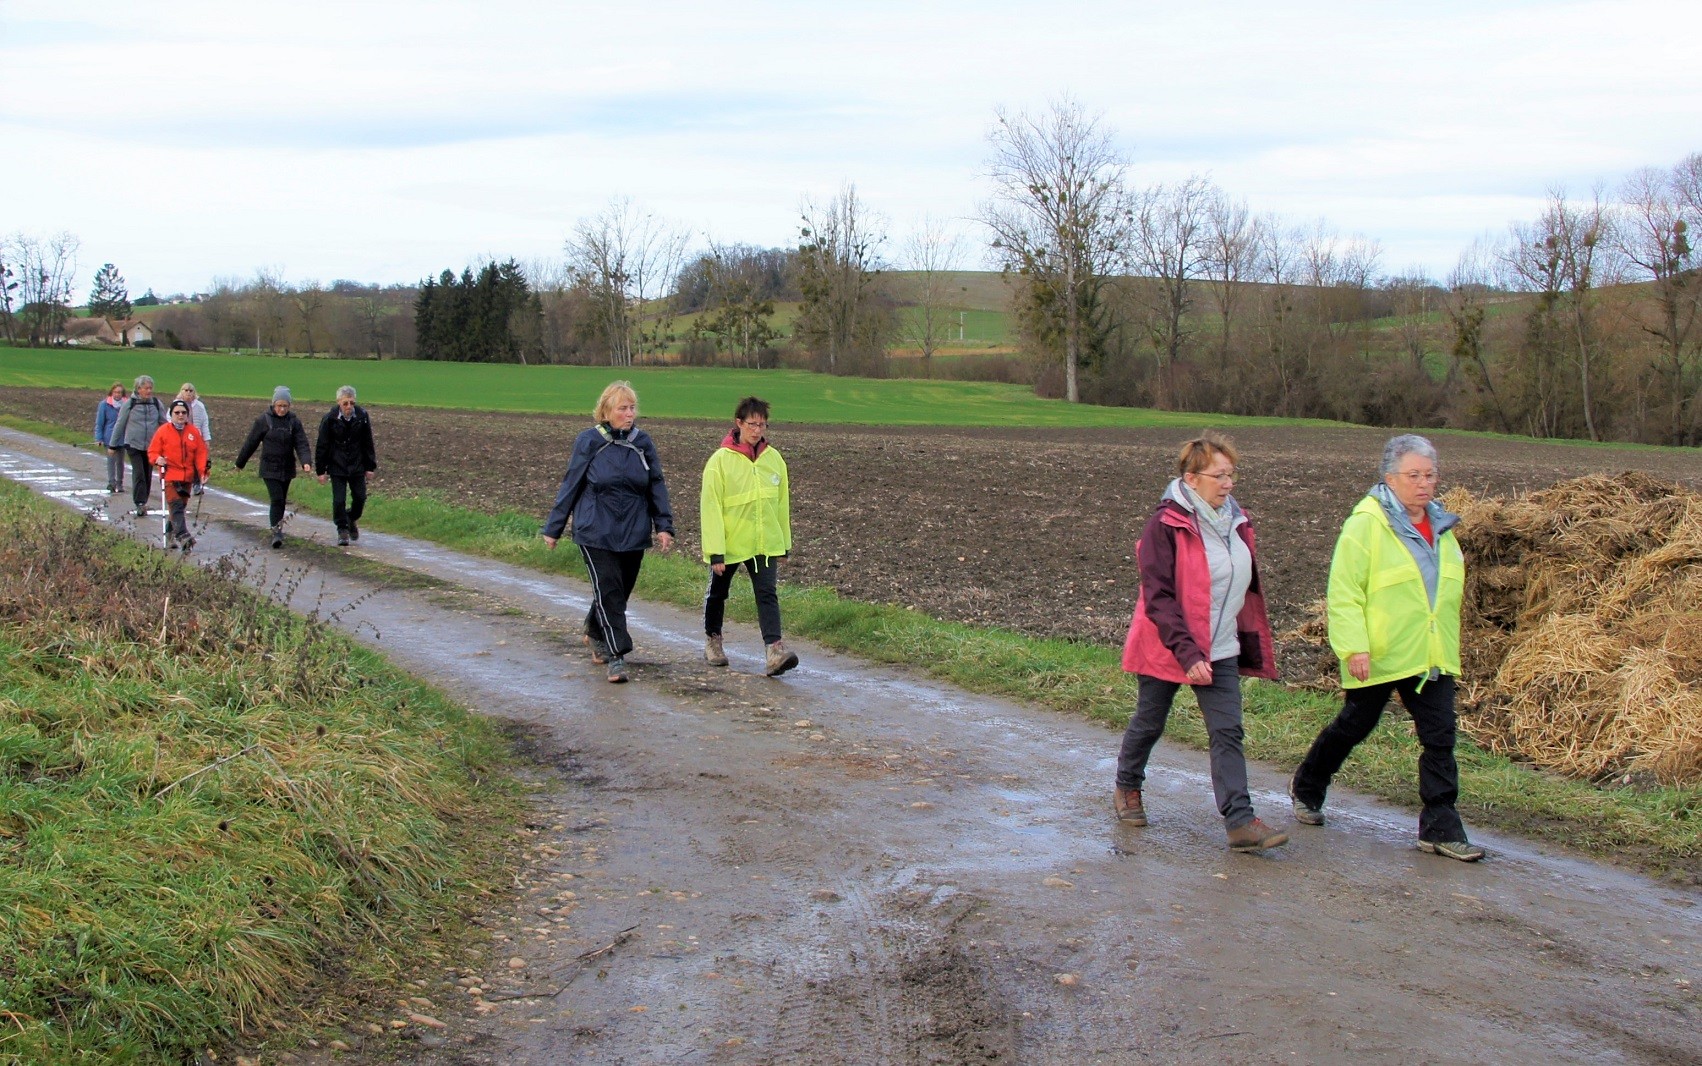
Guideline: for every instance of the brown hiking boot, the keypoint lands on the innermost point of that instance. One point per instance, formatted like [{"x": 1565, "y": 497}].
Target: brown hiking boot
[
  {"x": 713, "y": 653},
  {"x": 1256, "y": 836},
  {"x": 1127, "y": 803},
  {"x": 779, "y": 660}
]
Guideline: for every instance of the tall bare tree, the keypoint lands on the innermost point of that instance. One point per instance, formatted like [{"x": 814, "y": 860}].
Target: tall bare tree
[
  {"x": 1169, "y": 250},
  {"x": 1654, "y": 236},
  {"x": 45, "y": 268},
  {"x": 931, "y": 252},
  {"x": 1059, "y": 215},
  {"x": 1469, "y": 285},
  {"x": 838, "y": 260},
  {"x": 627, "y": 258},
  {"x": 1231, "y": 260},
  {"x": 738, "y": 304}
]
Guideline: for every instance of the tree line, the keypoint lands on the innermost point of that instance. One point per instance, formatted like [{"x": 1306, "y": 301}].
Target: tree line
[{"x": 1580, "y": 322}]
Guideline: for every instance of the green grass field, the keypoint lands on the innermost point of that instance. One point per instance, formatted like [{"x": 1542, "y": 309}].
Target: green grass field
[
  {"x": 203, "y": 811},
  {"x": 664, "y": 392}
]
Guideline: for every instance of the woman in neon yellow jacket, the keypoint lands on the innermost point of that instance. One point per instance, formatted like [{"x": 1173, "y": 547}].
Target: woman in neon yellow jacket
[
  {"x": 1396, "y": 583},
  {"x": 746, "y": 517}
]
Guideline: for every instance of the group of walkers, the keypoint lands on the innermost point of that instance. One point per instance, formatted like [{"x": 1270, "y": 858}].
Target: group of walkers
[
  {"x": 1396, "y": 584},
  {"x": 1395, "y": 588},
  {"x": 176, "y": 441},
  {"x": 615, "y": 498}
]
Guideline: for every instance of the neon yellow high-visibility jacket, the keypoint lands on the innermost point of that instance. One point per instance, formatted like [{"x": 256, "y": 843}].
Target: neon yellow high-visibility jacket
[
  {"x": 746, "y": 507},
  {"x": 1378, "y": 602}
]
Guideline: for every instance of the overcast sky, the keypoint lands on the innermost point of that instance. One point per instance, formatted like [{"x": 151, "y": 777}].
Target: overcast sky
[{"x": 186, "y": 140}]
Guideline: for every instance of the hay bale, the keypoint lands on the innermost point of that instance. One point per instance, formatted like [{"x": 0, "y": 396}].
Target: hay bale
[{"x": 1582, "y": 627}]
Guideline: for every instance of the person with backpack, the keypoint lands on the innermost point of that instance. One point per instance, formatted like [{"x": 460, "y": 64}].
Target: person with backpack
[
  {"x": 745, "y": 508},
  {"x": 345, "y": 454},
  {"x": 179, "y": 452},
  {"x": 140, "y": 417},
  {"x": 615, "y": 495},
  {"x": 282, "y": 442}
]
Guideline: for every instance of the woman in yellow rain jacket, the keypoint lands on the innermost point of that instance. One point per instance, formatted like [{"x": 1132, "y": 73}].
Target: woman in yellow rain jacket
[
  {"x": 1396, "y": 584},
  {"x": 746, "y": 518}
]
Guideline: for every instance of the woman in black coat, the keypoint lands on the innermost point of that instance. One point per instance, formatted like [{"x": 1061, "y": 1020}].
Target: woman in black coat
[
  {"x": 279, "y": 435},
  {"x": 615, "y": 495}
]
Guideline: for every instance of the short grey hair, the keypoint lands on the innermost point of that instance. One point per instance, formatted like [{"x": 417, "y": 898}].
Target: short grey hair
[
  {"x": 143, "y": 380},
  {"x": 345, "y": 390},
  {"x": 1404, "y": 445}
]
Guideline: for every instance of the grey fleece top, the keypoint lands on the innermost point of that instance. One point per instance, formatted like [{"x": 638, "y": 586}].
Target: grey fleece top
[{"x": 1231, "y": 567}]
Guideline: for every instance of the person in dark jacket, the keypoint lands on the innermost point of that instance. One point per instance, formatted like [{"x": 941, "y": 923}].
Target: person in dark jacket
[
  {"x": 615, "y": 495},
  {"x": 282, "y": 441},
  {"x": 106, "y": 418},
  {"x": 1201, "y": 622},
  {"x": 139, "y": 419},
  {"x": 345, "y": 454}
]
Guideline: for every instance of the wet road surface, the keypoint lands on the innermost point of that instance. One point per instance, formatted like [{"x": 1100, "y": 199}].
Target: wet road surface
[{"x": 852, "y": 865}]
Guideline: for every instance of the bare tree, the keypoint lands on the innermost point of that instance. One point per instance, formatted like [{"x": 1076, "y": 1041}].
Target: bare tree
[
  {"x": 627, "y": 259},
  {"x": 931, "y": 252},
  {"x": 8, "y": 290},
  {"x": 1231, "y": 260},
  {"x": 45, "y": 268},
  {"x": 1564, "y": 257},
  {"x": 1654, "y": 238},
  {"x": 839, "y": 257},
  {"x": 1169, "y": 248},
  {"x": 1059, "y": 214},
  {"x": 1469, "y": 284},
  {"x": 309, "y": 304},
  {"x": 738, "y": 302}
]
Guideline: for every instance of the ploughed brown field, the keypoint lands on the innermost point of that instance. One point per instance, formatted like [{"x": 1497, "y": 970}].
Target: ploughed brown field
[{"x": 1028, "y": 529}]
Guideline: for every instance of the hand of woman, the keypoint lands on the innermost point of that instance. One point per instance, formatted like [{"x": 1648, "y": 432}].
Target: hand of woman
[
  {"x": 1200, "y": 673},
  {"x": 550, "y": 543},
  {"x": 665, "y": 541},
  {"x": 718, "y": 568},
  {"x": 1359, "y": 665}
]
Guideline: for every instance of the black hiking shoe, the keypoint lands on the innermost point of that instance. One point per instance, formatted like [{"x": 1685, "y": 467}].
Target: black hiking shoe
[
  {"x": 354, "y": 530},
  {"x": 277, "y": 537},
  {"x": 617, "y": 671},
  {"x": 342, "y": 538}
]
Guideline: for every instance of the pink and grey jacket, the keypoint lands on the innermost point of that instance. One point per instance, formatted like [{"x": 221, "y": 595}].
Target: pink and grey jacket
[{"x": 1172, "y": 624}]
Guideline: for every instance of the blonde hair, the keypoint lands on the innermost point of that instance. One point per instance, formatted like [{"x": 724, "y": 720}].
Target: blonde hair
[
  {"x": 616, "y": 392},
  {"x": 1197, "y": 454},
  {"x": 187, "y": 386}
]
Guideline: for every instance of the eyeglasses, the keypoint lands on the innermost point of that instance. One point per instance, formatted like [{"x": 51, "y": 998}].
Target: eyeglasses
[
  {"x": 1419, "y": 477},
  {"x": 754, "y": 424},
  {"x": 1221, "y": 475}
]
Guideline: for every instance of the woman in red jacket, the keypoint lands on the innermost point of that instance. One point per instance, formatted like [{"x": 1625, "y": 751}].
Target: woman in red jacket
[
  {"x": 180, "y": 455},
  {"x": 1200, "y": 622}
]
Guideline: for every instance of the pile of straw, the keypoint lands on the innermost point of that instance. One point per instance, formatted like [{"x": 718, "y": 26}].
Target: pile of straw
[{"x": 1582, "y": 627}]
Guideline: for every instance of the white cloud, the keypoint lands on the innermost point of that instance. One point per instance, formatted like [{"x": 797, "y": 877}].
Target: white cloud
[{"x": 383, "y": 141}]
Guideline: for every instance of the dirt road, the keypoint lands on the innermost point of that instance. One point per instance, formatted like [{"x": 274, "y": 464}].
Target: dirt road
[{"x": 849, "y": 865}]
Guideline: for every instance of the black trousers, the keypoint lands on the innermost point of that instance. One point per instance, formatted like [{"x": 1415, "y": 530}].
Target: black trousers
[
  {"x": 765, "y": 581},
  {"x": 613, "y": 574},
  {"x": 278, "y": 491},
  {"x": 1432, "y": 708},
  {"x": 355, "y": 490},
  {"x": 141, "y": 477}
]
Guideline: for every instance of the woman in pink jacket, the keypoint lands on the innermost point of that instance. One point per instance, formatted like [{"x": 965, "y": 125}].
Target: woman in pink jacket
[{"x": 1200, "y": 621}]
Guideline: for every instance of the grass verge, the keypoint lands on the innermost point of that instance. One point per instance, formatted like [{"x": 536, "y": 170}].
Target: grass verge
[
  {"x": 1655, "y": 829},
  {"x": 207, "y": 802}
]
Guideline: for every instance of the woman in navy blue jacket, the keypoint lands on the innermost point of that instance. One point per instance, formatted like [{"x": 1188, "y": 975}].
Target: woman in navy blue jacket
[{"x": 615, "y": 494}]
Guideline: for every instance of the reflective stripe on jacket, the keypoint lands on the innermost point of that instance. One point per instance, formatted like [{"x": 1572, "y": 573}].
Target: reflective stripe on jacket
[
  {"x": 1171, "y": 628},
  {"x": 1378, "y": 603},
  {"x": 745, "y": 507}
]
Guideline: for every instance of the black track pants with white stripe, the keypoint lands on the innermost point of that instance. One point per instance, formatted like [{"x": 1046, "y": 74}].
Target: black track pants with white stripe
[{"x": 613, "y": 574}]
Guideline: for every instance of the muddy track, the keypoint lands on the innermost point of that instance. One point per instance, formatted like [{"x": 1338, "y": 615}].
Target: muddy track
[{"x": 851, "y": 865}]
